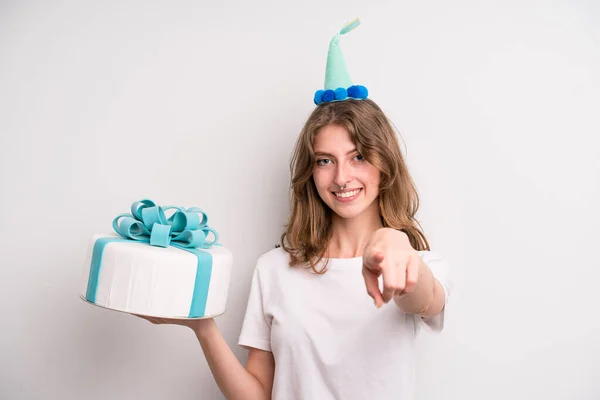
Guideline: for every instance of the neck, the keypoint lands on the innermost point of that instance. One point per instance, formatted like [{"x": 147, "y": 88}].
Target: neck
[{"x": 351, "y": 235}]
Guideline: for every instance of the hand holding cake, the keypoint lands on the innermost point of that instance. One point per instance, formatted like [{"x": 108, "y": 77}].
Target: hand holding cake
[{"x": 197, "y": 325}]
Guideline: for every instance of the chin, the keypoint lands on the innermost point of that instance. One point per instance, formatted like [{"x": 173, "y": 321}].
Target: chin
[{"x": 347, "y": 213}]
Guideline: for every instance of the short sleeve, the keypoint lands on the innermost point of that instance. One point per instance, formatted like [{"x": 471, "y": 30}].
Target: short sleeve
[
  {"x": 441, "y": 271},
  {"x": 256, "y": 329}
]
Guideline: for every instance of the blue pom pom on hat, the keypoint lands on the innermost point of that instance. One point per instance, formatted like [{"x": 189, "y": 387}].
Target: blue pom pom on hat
[
  {"x": 358, "y": 92},
  {"x": 328, "y": 95},
  {"x": 338, "y": 85}
]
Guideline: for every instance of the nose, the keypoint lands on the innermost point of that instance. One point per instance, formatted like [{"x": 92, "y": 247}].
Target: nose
[{"x": 343, "y": 174}]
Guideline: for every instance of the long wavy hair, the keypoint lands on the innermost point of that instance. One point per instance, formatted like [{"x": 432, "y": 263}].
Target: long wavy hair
[{"x": 309, "y": 227}]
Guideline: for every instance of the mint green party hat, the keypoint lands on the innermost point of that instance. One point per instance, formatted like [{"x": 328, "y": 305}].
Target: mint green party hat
[{"x": 338, "y": 85}]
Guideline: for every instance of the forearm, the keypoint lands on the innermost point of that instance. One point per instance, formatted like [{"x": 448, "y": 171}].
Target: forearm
[
  {"x": 427, "y": 299},
  {"x": 233, "y": 379}
]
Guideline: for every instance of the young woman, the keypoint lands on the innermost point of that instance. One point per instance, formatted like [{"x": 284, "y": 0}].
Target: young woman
[{"x": 334, "y": 312}]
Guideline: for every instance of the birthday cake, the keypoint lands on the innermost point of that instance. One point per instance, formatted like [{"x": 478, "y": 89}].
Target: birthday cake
[{"x": 158, "y": 266}]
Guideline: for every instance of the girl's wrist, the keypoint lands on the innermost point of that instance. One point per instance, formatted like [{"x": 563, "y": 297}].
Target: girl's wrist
[{"x": 203, "y": 327}]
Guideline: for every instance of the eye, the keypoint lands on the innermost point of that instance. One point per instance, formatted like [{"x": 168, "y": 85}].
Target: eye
[
  {"x": 359, "y": 157},
  {"x": 323, "y": 161}
]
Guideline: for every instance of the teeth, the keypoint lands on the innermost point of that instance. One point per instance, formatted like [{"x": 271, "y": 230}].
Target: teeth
[{"x": 347, "y": 194}]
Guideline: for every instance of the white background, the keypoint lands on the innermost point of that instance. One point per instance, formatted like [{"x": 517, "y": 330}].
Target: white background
[{"x": 199, "y": 104}]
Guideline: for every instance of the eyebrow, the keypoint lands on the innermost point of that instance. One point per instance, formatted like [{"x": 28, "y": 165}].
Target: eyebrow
[{"x": 322, "y": 153}]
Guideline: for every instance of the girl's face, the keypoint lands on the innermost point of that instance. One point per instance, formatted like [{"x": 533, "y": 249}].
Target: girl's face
[{"x": 338, "y": 163}]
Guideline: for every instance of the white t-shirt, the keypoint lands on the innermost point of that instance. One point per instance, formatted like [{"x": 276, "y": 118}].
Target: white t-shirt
[{"x": 328, "y": 339}]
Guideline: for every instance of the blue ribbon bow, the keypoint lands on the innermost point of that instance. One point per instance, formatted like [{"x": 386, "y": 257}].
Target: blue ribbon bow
[{"x": 148, "y": 223}]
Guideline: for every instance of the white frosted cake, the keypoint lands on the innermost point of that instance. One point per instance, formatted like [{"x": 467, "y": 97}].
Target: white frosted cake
[{"x": 159, "y": 267}]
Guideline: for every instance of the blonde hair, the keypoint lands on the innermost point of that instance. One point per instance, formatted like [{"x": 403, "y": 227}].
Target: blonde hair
[{"x": 308, "y": 229}]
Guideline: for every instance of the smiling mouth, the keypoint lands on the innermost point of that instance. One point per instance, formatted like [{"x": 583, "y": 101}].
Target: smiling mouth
[{"x": 347, "y": 193}]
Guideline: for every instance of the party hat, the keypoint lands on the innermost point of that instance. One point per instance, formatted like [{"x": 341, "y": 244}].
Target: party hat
[{"x": 338, "y": 85}]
